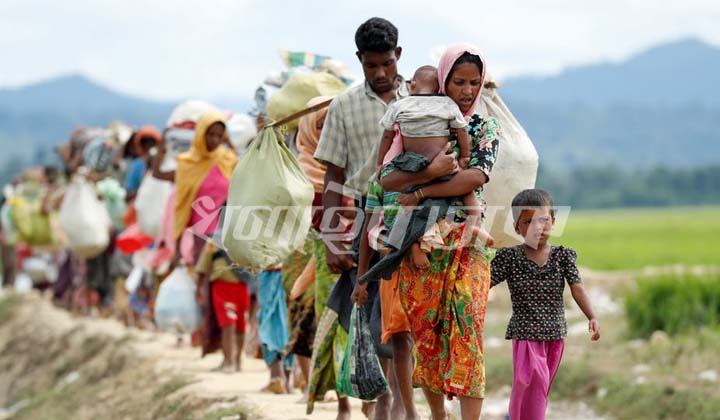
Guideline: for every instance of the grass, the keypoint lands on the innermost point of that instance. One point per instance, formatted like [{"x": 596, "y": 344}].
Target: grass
[
  {"x": 634, "y": 238},
  {"x": 674, "y": 304}
]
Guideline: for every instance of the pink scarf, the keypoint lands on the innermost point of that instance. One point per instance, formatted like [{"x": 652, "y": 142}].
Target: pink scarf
[{"x": 447, "y": 61}]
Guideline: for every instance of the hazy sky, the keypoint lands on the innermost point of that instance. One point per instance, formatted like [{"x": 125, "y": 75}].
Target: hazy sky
[{"x": 171, "y": 49}]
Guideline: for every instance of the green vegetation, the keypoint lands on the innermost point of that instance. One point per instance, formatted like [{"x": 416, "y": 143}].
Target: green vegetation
[
  {"x": 634, "y": 238},
  {"x": 593, "y": 187},
  {"x": 674, "y": 304}
]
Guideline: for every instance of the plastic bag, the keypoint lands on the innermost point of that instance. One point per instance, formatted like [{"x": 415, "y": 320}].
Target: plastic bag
[
  {"x": 298, "y": 90},
  {"x": 133, "y": 279},
  {"x": 150, "y": 204},
  {"x": 113, "y": 195},
  {"x": 515, "y": 169},
  {"x": 360, "y": 374},
  {"x": 32, "y": 226},
  {"x": 269, "y": 206},
  {"x": 242, "y": 129},
  {"x": 176, "y": 309},
  {"x": 8, "y": 225},
  {"x": 84, "y": 219},
  {"x": 98, "y": 154},
  {"x": 132, "y": 240}
]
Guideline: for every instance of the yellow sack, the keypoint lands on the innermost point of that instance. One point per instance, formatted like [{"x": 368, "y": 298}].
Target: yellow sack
[
  {"x": 33, "y": 227},
  {"x": 298, "y": 90}
]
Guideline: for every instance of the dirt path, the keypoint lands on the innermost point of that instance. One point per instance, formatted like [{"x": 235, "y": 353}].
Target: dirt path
[{"x": 165, "y": 359}]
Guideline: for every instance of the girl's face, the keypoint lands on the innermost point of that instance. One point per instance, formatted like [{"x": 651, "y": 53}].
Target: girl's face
[
  {"x": 214, "y": 136},
  {"x": 463, "y": 85},
  {"x": 535, "y": 225}
]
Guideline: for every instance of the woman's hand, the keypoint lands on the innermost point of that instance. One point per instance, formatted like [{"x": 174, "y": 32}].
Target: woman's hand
[{"x": 443, "y": 164}]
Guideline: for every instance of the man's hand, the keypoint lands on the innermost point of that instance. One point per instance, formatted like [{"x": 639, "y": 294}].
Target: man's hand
[
  {"x": 337, "y": 263},
  {"x": 443, "y": 164},
  {"x": 359, "y": 294}
]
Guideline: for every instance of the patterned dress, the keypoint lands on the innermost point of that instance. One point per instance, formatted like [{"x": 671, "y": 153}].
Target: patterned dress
[
  {"x": 330, "y": 338},
  {"x": 446, "y": 303}
]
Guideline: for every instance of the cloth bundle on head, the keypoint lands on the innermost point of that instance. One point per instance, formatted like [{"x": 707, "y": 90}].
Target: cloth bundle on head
[
  {"x": 194, "y": 165},
  {"x": 307, "y": 140},
  {"x": 447, "y": 61}
]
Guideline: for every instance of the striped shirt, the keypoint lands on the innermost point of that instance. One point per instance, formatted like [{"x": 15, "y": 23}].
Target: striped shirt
[
  {"x": 351, "y": 135},
  {"x": 378, "y": 199}
]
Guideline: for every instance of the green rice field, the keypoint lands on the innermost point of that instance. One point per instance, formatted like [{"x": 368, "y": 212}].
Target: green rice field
[{"x": 622, "y": 239}]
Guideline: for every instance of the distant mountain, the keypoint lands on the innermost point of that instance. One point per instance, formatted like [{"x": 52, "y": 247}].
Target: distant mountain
[
  {"x": 658, "y": 108},
  {"x": 35, "y": 117},
  {"x": 678, "y": 73}
]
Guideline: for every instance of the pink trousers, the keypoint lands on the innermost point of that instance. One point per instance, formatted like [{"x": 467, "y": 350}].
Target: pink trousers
[{"x": 534, "y": 366}]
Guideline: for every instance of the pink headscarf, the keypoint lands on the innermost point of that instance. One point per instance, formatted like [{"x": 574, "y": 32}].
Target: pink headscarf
[{"x": 448, "y": 59}]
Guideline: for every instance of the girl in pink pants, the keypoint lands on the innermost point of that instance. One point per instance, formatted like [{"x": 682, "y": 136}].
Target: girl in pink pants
[{"x": 536, "y": 273}]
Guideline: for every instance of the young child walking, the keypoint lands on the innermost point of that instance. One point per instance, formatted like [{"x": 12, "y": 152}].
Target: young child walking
[{"x": 536, "y": 273}]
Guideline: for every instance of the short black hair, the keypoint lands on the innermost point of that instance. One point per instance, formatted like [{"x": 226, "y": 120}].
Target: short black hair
[
  {"x": 528, "y": 199},
  {"x": 466, "y": 58},
  {"x": 425, "y": 71},
  {"x": 376, "y": 35}
]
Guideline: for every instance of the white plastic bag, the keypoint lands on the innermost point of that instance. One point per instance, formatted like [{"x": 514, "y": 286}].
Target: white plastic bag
[
  {"x": 84, "y": 219},
  {"x": 133, "y": 279},
  {"x": 515, "y": 169},
  {"x": 176, "y": 309},
  {"x": 269, "y": 206},
  {"x": 150, "y": 204},
  {"x": 242, "y": 129}
]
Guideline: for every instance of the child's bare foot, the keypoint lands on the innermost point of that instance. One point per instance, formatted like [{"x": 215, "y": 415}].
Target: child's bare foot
[
  {"x": 483, "y": 235},
  {"x": 420, "y": 259}
]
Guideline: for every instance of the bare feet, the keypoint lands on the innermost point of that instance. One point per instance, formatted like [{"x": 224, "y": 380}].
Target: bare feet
[
  {"x": 276, "y": 386},
  {"x": 420, "y": 259},
  {"x": 368, "y": 409},
  {"x": 225, "y": 367}
]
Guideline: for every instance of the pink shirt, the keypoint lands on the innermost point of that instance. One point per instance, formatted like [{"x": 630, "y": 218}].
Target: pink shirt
[{"x": 209, "y": 200}]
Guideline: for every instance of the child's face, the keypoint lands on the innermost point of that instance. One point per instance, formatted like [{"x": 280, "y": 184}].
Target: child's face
[{"x": 535, "y": 225}]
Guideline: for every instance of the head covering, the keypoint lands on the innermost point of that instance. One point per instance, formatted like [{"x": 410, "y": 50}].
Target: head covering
[
  {"x": 447, "y": 61},
  {"x": 194, "y": 165},
  {"x": 307, "y": 141},
  {"x": 146, "y": 131}
]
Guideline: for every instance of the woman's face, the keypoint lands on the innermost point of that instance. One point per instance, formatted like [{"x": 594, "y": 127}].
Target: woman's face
[
  {"x": 214, "y": 136},
  {"x": 463, "y": 85}
]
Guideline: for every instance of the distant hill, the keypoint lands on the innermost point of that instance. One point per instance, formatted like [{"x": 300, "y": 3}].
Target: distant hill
[
  {"x": 678, "y": 73},
  {"x": 660, "y": 107},
  {"x": 35, "y": 117}
]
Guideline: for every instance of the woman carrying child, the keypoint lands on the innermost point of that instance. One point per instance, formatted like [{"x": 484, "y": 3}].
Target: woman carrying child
[{"x": 445, "y": 302}]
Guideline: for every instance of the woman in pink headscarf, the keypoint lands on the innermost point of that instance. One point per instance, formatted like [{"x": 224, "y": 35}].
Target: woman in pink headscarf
[{"x": 445, "y": 303}]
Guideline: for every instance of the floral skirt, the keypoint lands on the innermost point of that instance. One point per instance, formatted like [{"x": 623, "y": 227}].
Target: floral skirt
[{"x": 446, "y": 306}]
